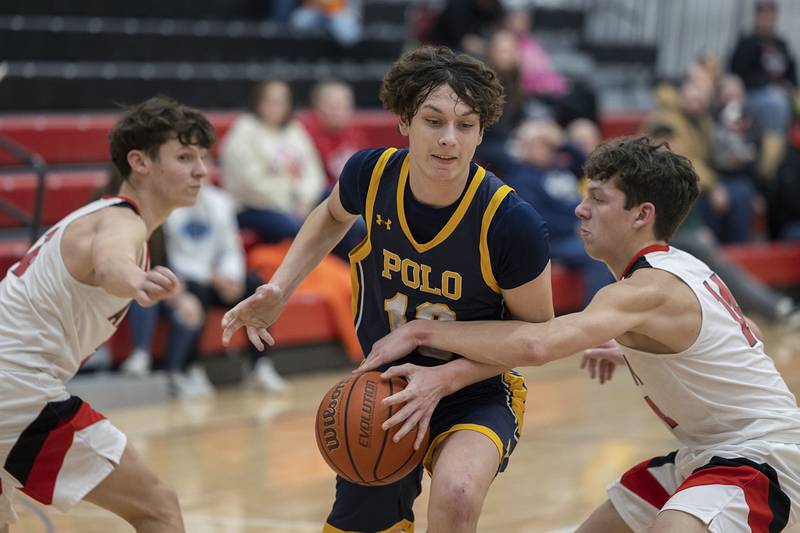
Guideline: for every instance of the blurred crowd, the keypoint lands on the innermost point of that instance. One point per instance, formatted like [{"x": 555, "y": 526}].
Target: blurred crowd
[{"x": 735, "y": 120}]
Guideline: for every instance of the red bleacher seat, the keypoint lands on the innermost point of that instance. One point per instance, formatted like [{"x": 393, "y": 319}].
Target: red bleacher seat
[{"x": 65, "y": 192}]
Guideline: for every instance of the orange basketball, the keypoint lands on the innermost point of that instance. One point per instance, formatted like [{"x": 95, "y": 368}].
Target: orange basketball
[{"x": 349, "y": 434}]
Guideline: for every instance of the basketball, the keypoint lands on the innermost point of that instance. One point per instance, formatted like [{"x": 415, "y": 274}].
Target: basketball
[{"x": 349, "y": 434}]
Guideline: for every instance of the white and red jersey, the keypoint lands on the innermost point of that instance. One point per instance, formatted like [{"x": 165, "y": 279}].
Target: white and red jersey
[
  {"x": 49, "y": 321},
  {"x": 723, "y": 389}
]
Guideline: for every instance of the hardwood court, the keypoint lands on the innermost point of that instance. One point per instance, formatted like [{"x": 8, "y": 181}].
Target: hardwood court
[{"x": 245, "y": 462}]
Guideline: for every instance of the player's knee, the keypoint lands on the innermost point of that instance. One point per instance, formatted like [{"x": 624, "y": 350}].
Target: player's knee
[
  {"x": 161, "y": 508},
  {"x": 460, "y": 500}
]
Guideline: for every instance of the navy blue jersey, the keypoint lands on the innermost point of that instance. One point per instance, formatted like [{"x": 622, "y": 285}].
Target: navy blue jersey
[{"x": 448, "y": 276}]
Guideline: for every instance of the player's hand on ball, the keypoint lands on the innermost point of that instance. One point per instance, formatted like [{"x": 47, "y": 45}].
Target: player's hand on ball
[
  {"x": 255, "y": 314},
  {"x": 392, "y": 347},
  {"x": 158, "y": 284},
  {"x": 602, "y": 360},
  {"x": 426, "y": 387}
]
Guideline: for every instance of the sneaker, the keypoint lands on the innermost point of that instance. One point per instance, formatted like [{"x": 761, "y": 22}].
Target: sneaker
[
  {"x": 266, "y": 378},
  {"x": 137, "y": 364},
  {"x": 183, "y": 385},
  {"x": 197, "y": 375}
]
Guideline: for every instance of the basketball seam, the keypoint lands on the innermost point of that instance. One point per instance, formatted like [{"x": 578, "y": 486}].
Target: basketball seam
[
  {"x": 385, "y": 438},
  {"x": 346, "y": 418}
]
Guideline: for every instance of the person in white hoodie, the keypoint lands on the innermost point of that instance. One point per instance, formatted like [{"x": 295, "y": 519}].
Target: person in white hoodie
[
  {"x": 204, "y": 249},
  {"x": 270, "y": 165}
]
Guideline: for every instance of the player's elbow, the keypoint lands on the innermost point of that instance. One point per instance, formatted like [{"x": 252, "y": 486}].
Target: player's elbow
[{"x": 531, "y": 353}]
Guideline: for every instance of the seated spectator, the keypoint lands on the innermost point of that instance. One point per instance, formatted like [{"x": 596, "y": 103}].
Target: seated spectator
[
  {"x": 465, "y": 25},
  {"x": 205, "y": 252},
  {"x": 694, "y": 237},
  {"x": 555, "y": 193},
  {"x": 503, "y": 57},
  {"x": 686, "y": 111},
  {"x": 330, "y": 125},
  {"x": 584, "y": 134},
  {"x": 270, "y": 165},
  {"x": 565, "y": 100},
  {"x": 764, "y": 63},
  {"x": 340, "y": 18}
]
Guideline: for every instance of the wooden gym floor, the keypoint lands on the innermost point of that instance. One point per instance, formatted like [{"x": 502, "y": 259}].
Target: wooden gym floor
[{"x": 245, "y": 462}]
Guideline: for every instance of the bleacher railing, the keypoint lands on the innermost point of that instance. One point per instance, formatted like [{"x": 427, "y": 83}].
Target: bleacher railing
[{"x": 36, "y": 163}]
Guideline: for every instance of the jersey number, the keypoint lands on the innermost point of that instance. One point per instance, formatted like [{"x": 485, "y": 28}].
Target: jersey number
[
  {"x": 28, "y": 258},
  {"x": 396, "y": 307},
  {"x": 724, "y": 296}
]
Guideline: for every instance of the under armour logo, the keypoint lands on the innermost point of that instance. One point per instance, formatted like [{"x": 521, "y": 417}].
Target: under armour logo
[{"x": 381, "y": 222}]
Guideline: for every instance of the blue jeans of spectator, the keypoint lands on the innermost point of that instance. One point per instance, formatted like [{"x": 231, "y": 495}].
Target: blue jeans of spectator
[
  {"x": 344, "y": 26},
  {"x": 570, "y": 251},
  {"x": 734, "y": 225},
  {"x": 770, "y": 108},
  {"x": 272, "y": 226},
  {"x": 143, "y": 321}
]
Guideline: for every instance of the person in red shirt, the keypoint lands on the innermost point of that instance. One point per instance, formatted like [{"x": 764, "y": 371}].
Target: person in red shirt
[{"x": 330, "y": 125}]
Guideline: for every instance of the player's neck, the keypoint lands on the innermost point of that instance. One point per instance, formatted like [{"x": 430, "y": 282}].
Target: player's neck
[
  {"x": 623, "y": 261},
  {"x": 152, "y": 210},
  {"x": 435, "y": 193}
]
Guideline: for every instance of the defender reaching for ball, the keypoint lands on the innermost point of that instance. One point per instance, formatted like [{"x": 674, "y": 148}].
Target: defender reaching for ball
[
  {"x": 65, "y": 298},
  {"x": 687, "y": 345},
  {"x": 446, "y": 240}
]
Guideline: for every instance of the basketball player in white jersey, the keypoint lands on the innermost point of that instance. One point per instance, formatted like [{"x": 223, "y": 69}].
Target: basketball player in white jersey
[
  {"x": 66, "y": 297},
  {"x": 687, "y": 345}
]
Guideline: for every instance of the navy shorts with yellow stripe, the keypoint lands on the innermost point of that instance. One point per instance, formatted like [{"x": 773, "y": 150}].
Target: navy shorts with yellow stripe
[{"x": 494, "y": 407}]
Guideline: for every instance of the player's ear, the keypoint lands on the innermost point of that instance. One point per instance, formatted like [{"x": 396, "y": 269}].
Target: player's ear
[
  {"x": 138, "y": 161},
  {"x": 402, "y": 127},
  {"x": 646, "y": 214}
]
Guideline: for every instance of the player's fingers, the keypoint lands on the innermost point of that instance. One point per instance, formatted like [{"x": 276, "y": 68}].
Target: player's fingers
[
  {"x": 158, "y": 278},
  {"x": 369, "y": 364},
  {"x": 229, "y": 330},
  {"x": 398, "y": 417},
  {"x": 410, "y": 423},
  {"x": 143, "y": 298},
  {"x": 611, "y": 368},
  {"x": 398, "y": 397},
  {"x": 402, "y": 371},
  {"x": 592, "y": 368},
  {"x": 263, "y": 333},
  {"x": 422, "y": 429},
  {"x": 252, "y": 334},
  {"x": 602, "y": 371},
  {"x": 167, "y": 273},
  {"x": 584, "y": 360}
]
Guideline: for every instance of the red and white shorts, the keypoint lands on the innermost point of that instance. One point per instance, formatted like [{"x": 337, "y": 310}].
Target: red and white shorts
[
  {"x": 54, "y": 447},
  {"x": 749, "y": 487}
]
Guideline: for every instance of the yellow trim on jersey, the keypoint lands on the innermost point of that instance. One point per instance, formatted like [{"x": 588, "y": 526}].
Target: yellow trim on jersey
[
  {"x": 362, "y": 249},
  {"x": 488, "y": 215},
  {"x": 483, "y": 430},
  {"x": 445, "y": 232},
  {"x": 519, "y": 393},
  {"x": 403, "y": 525}
]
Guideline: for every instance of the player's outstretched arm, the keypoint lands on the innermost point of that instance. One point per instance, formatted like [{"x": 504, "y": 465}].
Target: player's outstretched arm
[
  {"x": 618, "y": 308},
  {"x": 115, "y": 251},
  {"x": 322, "y": 230}
]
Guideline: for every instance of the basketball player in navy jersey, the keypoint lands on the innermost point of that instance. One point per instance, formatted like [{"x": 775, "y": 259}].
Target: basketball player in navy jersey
[
  {"x": 696, "y": 359},
  {"x": 446, "y": 240},
  {"x": 65, "y": 298}
]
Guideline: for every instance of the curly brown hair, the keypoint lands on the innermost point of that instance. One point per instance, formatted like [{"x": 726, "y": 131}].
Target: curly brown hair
[
  {"x": 419, "y": 72},
  {"x": 647, "y": 172},
  {"x": 148, "y": 125}
]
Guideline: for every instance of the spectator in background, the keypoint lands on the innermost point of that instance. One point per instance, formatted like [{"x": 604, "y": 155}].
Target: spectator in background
[
  {"x": 686, "y": 112},
  {"x": 695, "y": 237},
  {"x": 270, "y": 165},
  {"x": 339, "y": 18},
  {"x": 555, "y": 193},
  {"x": 561, "y": 99},
  {"x": 465, "y": 25},
  {"x": 330, "y": 125},
  {"x": 765, "y": 65},
  {"x": 205, "y": 251},
  {"x": 502, "y": 56},
  {"x": 537, "y": 75}
]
